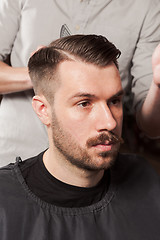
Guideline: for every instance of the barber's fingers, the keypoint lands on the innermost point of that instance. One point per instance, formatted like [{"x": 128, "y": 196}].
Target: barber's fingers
[
  {"x": 156, "y": 65},
  {"x": 156, "y": 56},
  {"x": 38, "y": 48}
]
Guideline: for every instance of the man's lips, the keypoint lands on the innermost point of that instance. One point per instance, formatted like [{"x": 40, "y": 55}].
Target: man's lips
[
  {"x": 105, "y": 141},
  {"x": 107, "y": 146}
]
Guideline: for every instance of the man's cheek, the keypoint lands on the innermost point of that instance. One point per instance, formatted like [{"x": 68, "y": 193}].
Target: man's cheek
[{"x": 78, "y": 131}]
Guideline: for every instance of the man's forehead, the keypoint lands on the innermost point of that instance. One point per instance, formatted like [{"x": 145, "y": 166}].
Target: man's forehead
[
  {"x": 75, "y": 68},
  {"x": 84, "y": 78}
]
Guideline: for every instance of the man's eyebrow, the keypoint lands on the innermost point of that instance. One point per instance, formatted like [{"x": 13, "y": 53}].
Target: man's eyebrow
[
  {"x": 81, "y": 94},
  {"x": 88, "y": 95},
  {"x": 118, "y": 94}
]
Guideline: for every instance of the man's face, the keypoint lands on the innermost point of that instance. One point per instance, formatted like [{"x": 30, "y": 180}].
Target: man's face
[{"x": 87, "y": 110}]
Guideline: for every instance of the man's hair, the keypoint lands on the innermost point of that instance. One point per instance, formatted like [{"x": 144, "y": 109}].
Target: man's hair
[{"x": 93, "y": 49}]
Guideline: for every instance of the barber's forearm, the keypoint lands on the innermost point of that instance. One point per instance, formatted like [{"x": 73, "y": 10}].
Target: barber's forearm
[
  {"x": 148, "y": 117},
  {"x": 13, "y": 79}
]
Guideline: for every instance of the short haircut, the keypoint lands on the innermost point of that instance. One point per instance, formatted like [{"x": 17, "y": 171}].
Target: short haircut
[{"x": 93, "y": 49}]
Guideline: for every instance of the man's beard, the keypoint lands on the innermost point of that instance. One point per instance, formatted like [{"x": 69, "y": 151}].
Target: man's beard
[{"x": 81, "y": 157}]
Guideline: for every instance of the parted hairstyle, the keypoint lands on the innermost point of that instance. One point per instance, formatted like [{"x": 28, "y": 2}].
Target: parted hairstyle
[{"x": 92, "y": 49}]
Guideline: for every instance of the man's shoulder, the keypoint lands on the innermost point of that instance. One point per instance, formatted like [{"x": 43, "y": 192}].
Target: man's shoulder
[
  {"x": 131, "y": 162},
  {"x": 13, "y": 187},
  {"x": 134, "y": 170},
  {"x": 7, "y": 171},
  {"x": 11, "y": 174},
  {"x": 8, "y": 183},
  {"x": 131, "y": 158}
]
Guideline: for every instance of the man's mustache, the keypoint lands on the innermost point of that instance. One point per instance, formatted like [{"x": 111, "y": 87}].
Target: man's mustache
[{"x": 112, "y": 138}]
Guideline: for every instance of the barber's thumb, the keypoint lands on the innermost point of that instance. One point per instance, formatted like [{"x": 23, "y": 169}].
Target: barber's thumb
[{"x": 38, "y": 48}]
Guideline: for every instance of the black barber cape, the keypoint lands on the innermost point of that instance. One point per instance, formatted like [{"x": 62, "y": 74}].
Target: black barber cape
[{"x": 130, "y": 210}]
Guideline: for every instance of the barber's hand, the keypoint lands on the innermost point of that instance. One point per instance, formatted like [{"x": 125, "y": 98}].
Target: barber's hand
[
  {"x": 13, "y": 79},
  {"x": 23, "y": 75},
  {"x": 20, "y": 80},
  {"x": 156, "y": 65},
  {"x": 38, "y": 48}
]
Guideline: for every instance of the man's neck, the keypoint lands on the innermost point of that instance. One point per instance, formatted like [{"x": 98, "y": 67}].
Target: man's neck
[{"x": 66, "y": 172}]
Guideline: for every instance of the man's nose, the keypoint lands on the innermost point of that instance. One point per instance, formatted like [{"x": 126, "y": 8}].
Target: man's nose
[{"x": 105, "y": 119}]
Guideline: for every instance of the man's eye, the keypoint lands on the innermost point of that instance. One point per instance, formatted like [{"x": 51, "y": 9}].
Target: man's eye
[
  {"x": 84, "y": 104},
  {"x": 116, "y": 101}
]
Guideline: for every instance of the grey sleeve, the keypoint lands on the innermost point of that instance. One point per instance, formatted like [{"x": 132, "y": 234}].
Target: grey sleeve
[
  {"x": 149, "y": 38},
  {"x": 10, "y": 13}
]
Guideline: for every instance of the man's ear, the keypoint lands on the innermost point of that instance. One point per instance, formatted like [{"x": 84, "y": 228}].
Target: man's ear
[{"x": 42, "y": 109}]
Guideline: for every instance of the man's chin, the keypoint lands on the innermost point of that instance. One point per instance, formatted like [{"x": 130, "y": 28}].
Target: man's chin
[
  {"x": 106, "y": 154},
  {"x": 107, "y": 159},
  {"x": 103, "y": 161}
]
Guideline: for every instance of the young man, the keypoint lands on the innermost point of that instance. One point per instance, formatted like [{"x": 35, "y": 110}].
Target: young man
[
  {"x": 80, "y": 187},
  {"x": 27, "y": 24}
]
